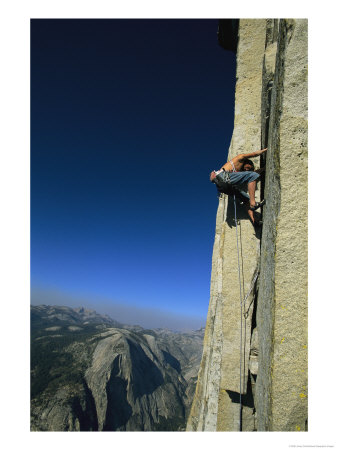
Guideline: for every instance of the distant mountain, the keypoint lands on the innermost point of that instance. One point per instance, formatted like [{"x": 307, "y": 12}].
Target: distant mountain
[
  {"x": 63, "y": 315},
  {"x": 92, "y": 373}
]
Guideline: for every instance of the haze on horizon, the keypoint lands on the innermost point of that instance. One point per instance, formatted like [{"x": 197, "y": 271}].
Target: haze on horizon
[{"x": 127, "y": 314}]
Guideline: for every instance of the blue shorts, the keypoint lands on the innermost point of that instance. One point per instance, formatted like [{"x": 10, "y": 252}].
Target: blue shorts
[{"x": 238, "y": 180}]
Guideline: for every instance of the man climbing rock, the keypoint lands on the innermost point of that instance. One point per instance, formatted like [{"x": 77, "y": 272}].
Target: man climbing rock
[{"x": 237, "y": 175}]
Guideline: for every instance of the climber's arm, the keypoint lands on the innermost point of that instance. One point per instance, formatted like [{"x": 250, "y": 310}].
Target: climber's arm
[{"x": 250, "y": 155}]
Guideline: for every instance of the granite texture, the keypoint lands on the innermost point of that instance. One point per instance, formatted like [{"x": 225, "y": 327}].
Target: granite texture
[{"x": 266, "y": 340}]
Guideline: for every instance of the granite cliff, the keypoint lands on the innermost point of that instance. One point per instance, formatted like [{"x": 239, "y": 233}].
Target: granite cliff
[
  {"x": 253, "y": 373},
  {"x": 91, "y": 373}
]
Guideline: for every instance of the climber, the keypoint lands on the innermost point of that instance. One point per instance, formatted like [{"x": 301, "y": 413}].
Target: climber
[{"x": 236, "y": 175}]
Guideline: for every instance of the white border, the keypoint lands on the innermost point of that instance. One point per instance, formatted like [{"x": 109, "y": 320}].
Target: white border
[{"x": 14, "y": 178}]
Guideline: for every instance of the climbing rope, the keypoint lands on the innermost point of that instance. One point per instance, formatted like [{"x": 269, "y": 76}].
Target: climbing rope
[
  {"x": 242, "y": 304},
  {"x": 246, "y": 314},
  {"x": 240, "y": 294}
]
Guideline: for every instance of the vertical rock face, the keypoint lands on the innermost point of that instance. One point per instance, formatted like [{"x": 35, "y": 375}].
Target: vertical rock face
[
  {"x": 282, "y": 299},
  {"x": 254, "y": 363}
]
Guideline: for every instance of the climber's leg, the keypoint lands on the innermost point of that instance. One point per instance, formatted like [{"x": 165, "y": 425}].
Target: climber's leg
[{"x": 251, "y": 191}]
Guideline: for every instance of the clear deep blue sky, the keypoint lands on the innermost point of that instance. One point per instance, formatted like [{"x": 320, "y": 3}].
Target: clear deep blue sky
[{"x": 128, "y": 117}]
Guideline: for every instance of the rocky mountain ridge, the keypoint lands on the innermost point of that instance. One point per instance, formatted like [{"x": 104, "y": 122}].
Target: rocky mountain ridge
[{"x": 89, "y": 372}]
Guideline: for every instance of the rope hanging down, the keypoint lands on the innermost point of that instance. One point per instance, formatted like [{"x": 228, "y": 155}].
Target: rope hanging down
[
  {"x": 240, "y": 294},
  {"x": 242, "y": 303}
]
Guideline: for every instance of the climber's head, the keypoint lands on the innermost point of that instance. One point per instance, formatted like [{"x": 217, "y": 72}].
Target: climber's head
[{"x": 248, "y": 165}]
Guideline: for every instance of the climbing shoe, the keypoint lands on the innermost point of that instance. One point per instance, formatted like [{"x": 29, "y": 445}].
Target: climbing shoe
[{"x": 257, "y": 205}]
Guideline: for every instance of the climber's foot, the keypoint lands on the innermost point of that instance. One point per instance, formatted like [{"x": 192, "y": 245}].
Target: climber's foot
[{"x": 257, "y": 205}]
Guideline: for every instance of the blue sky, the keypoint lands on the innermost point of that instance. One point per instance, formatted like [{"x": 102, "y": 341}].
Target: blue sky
[{"x": 128, "y": 117}]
